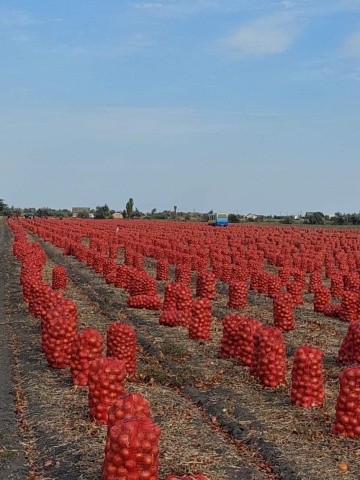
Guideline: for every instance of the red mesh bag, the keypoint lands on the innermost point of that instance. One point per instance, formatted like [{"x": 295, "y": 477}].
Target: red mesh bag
[
  {"x": 128, "y": 406},
  {"x": 274, "y": 285},
  {"x": 347, "y": 418},
  {"x": 170, "y": 296},
  {"x": 86, "y": 346},
  {"x": 110, "y": 271},
  {"x": 170, "y": 318},
  {"x": 263, "y": 283},
  {"x": 238, "y": 337},
  {"x": 98, "y": 263},
  {"x": 269, "y": 361},
  {"x": 284, "y": 274},
  {"x": 349, "y": 307},
  {"x": 337, "y": 285},
  {"x": 184, "y": 304},
  {"x": 141, "y": 283},
  {"x": 121, "y": 344},
  {"x": 254, "y": 281},
  {"x": 237, "y": 294},
  {"x": 352, "y": 281},
  {"x": 206, "y": 285},
  {"x": 283, "y": 311},
  {"x": 200, "y": 323},
  {"x": 106, "y": 381},
  {"x": 295, "y": 289},
  {"x": 315, "y": 281},
  {"x": 162, "y": 270},
  {"x": 59, "y": 277},
  {"x": 349, "y": 351},
  {"x": 122, "y": 276},
  {"x": 132, "y": 451},
  {"x": 183, "y": 273},
  {"x": 322, "y": 297},
  {"x": 307, "y": 382},
  {"x": 58, "y": 330},
  {"x": 148, "y": 302}
]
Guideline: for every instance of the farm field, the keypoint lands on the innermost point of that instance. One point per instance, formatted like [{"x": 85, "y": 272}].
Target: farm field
[{"x": 215, "y": 415}]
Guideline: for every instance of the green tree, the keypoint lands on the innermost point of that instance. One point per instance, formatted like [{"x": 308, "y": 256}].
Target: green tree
[
  {"x": 317, "y": 218},
  {"x": 84, "y": 214},
  {"x": 3, "y": 206},
  {"x": 102, "y": 212},
  {"x": 233, "y": 218},
  {"x": 43, "y": 212},
  {"x": 129, "y": 208},
  {"x": 288, "y": 220}
]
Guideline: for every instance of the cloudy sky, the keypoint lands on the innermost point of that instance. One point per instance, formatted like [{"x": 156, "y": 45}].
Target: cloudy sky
[{"x": 231, "y": 105}]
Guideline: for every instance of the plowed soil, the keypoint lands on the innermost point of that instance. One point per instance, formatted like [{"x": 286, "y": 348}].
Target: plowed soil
[{"x": 214, "y": 416}]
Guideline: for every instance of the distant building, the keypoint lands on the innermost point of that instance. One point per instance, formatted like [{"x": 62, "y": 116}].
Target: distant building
[
  {"x": 77, "y": 211},
  {"x": 251, "y": 216},
  {"x": 117, "y": 215}
]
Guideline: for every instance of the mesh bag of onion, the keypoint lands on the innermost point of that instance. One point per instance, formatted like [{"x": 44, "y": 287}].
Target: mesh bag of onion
[{"x": 132, "y": 450}]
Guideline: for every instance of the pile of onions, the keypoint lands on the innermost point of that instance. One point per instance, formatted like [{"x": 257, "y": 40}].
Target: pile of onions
[
  {"x": 106, "y": 382},
  {"x": 184, "y": 304},
  {"x": 237, "y": 294},
  {"x": 121, "y": 344},
  {"x": 337, "y": 285},
  {"x": 110, "y": 271},
  {"x": 349, "y": 306},
  {"x": 127, "y": 406},
  {"x": 254, "y": 281},
  {"x": 200, "y": 323},
  {"x": 347, "y": 418},
  {"x": 322, "y": 297},
  {"x": 284, "y": 274},
  {"x": 206, "y": 285},
  {"x": 59, "y": 277},
  {"x": 269, "y": 361},
  {"x": 295, "y": 289},
  {"x": 349, "y": 351},
  {"x": 113, "y": 250},
  {"x": 283, "y": 311},
  {"x": 332, "y": 310},
  {"x": 162, "y": 269},
  {"x": 352, "y": 281},
  {"x": 86, "y": 346},
  {"x": 274, "y": 285},
  {"x": 58, "y": 330},
  {"x": 141, "y": 283},
  {"x": 132, "y": 450},
  {"x": 307, "y": 382},
  {"x": 170, "y": 318},
  {"x": 122, "y": 276},
  {"x": 183, "y": 273},
  {"x": 170, "y": 296},
  {"x": 315, "y": 281},
  {"x": 238, "y": 337},
  {"x": 149, "y": 302},
  {"x": 263, "y": 283}
]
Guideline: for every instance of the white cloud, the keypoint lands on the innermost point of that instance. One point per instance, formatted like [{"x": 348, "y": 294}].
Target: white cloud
[
  {"x": 351, "y": 46},
  {"x": 181, "y": 8},
  {"x": 14, "y": 18},
  {"x": 265, "y": 36}
]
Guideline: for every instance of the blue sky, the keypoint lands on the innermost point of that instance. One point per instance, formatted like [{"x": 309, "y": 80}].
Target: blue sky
[{"x": 232, "y": 105}]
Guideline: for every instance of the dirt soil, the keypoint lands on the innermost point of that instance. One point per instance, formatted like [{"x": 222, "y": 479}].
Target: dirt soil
[{"x": 214, "y": 416}]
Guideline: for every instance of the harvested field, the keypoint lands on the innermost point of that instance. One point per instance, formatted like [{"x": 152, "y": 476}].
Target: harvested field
[{"x": 214, "y": 416}]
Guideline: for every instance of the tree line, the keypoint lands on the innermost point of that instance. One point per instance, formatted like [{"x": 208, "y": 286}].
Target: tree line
[{"x": 130, "y": 211}]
